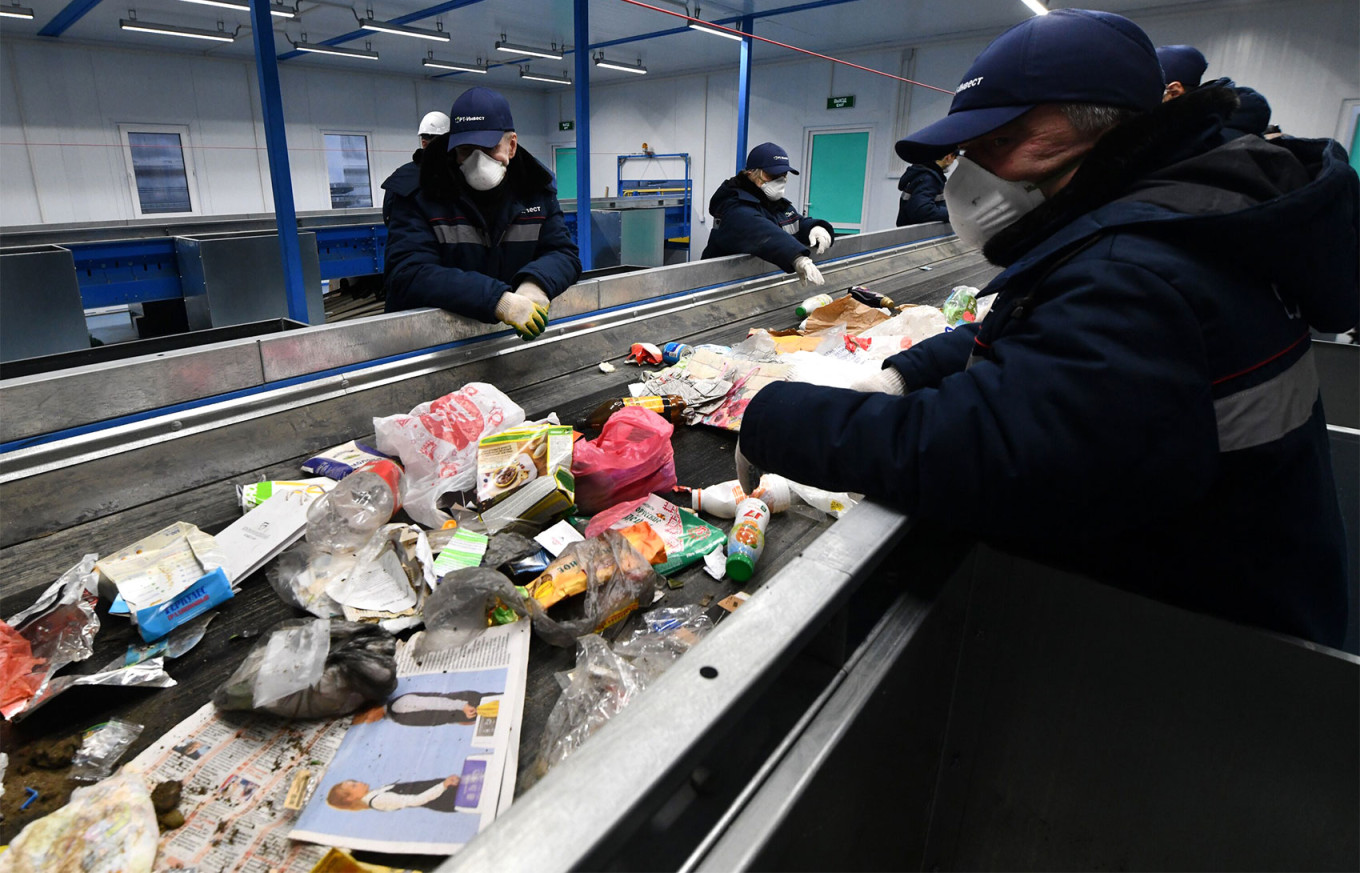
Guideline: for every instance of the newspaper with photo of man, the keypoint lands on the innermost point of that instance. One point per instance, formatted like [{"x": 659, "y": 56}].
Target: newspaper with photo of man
[{"x": 426, "y": 771}]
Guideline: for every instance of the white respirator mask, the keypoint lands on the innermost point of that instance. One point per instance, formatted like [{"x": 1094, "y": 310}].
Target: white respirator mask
[
  {"x": 981, "y": 203},
  {"x": 482, "y": 171},
  {"x": 774, "y": 189}
]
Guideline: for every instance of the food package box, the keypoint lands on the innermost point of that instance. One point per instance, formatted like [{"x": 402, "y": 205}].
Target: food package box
[{"x": 524, "y": 475}]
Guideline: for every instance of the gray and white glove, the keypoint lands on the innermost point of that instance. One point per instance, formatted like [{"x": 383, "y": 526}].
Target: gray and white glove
[
  {"x": 886, "y": 381},
  {"x": 807, "y": 271},
  {"x": 532, "y": 290},
  {"x": 524, "y": 315},
  {"x": 819, "y": 240}
]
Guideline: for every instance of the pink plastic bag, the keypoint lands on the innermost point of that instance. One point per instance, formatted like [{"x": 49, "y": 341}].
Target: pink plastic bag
[{"x": 631, "y": 458}]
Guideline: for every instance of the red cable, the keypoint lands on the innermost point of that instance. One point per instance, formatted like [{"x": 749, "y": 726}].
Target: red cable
[{"x": 795, "y": 48}]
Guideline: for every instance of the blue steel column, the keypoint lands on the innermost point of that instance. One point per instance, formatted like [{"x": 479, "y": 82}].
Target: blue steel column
[
  {"x": 276, "y": 146},
  {"x": 748, "y": 25},
  {"x": 581, "y": 53}
]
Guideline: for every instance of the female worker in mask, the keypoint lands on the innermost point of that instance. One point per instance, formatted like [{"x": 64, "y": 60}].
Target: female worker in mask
[
  {"x": 480, "y": 232},
  {"x": 752, "y": 216}
]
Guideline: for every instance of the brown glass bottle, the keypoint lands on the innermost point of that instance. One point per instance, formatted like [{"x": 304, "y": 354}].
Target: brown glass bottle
[{"x": 669, "y": 406}]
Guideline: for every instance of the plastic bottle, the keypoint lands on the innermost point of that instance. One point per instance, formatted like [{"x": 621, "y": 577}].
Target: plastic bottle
[
  {"x": 807, "y": 306},
  {"x": 344, "y": 518},
  {"x": 719, "y": 501},
  {"x": 669, "y": 406},
  {"x": 747, "y": 539},
  {"x": 775, "y": 491},
  {"x": 870, "y": 298},
  {"x": 671, "y": 353}
]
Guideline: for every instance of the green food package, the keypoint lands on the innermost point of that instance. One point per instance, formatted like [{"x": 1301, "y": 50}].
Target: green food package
[{"x": 687, "y": 537}]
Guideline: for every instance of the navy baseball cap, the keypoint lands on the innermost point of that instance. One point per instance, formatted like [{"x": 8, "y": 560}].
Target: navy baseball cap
[
  {"x": 1182, "y": 63},
  {"x": 771, "y": 158},
  {"x": 479, "y": 117},
  {"x": 1066, "y": 56}
]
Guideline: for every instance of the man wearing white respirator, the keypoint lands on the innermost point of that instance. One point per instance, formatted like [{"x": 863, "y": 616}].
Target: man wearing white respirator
[
  {"x": 479, "y": 232},
  {"x": 752, "y": 216},
  {"x": 1140, "y": 404}
]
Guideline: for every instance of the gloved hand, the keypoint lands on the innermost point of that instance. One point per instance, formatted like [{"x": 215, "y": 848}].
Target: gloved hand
[
  {"x": 524, "y": 315},
  {"x": 748, "y": 474},
  {"x": 533, "y": 292},
  {"x": 885, "y": 381},
  {"x": 819, "y": 240},
  {"x": 808, "y": 271}
]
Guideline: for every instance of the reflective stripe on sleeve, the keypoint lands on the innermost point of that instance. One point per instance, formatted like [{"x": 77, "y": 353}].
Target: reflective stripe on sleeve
[
  {"x": 527, "y": 232},
  {"x": 1266, "y": 412}
]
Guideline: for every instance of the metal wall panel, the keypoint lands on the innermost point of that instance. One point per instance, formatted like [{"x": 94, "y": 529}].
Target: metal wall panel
[{"x": 40, "y": 308}]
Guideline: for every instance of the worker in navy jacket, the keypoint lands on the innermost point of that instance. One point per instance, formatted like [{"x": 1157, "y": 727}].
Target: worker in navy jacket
[
  {"x": 922, "y": 187},
  {"x": 481, "y": 233},
  {"x": 751, "y": 216},
  {"x": 407, "y": 176},
  {"x": 1140, "y": 404},
  {"x": 1183, "y": 69}
]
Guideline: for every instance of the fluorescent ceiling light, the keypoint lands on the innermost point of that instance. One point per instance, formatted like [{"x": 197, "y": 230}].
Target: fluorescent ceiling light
[
  {"x": 371, "y": 23},
  {"x": 1037, "y": 7},
  {"x": 15, "y": 11},
  {"x": 176, "y": 30},
  {"x": 544, "y": 77},
  {"x": 276, "y": 10},
  {"x": 616, "y": 65},
  {"x": 452, "y": 65},
  {"x": 517, "y": 49},
  {"x": 318, "y": 49},
  {"x": 704, "y": 27}
]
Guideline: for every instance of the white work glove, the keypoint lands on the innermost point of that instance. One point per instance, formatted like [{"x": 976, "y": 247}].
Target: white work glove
[
  {"x": 748, "y": 474},
  {"x": 533, "y": 292},
  {"x": 819, "y": 240},
  {"x": 886, "y": 381},
  {"x": 524, "y": 315},
  {"x": 808, "y": 271}
]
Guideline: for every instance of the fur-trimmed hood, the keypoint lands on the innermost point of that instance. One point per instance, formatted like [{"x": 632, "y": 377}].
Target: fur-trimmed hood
[{"x": 1286, "y": 209}]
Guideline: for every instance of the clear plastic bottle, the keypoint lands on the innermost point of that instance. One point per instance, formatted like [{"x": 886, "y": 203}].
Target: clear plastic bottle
[{"x": 344, "y": 518}]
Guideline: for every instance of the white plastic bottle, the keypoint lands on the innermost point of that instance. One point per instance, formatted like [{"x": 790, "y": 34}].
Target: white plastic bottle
[
  {"x": 345, "y": 518},
  {"x": 719, "y": 501}
]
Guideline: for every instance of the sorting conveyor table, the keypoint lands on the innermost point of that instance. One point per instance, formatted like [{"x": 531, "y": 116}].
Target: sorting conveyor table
[{"x": 891, "y": 696}]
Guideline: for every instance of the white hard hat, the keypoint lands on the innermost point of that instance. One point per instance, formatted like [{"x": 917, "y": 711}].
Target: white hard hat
[{"x": 434, "y": 123}]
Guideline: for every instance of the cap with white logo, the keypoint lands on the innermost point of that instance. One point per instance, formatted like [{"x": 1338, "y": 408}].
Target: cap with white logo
[
  {"x": 479, "y": 117},
  {"x": 1066, "y": 56},
  {"x": 771, "y": 158}
]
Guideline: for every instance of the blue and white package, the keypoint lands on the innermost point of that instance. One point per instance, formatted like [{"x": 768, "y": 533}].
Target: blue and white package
[
  {"x": 154, "y": 622},
  {"x": 339, "y": 462}
]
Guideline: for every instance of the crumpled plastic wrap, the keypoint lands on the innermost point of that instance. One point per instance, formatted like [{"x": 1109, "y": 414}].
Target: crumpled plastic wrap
[
  {"x": 457, "y": 612},
  {"x": 360, "y": 667},
  {"x": 759, "y": 347},
  {"x": 618, "y": 580},
  {"x": 599, "y": 687},
  {"x": 507, "y": 547},
  {"x": 665, "y": 635},
  {"x": 81, "y": 837},
  {"x": 101, "y": 748},
  {"x": 300, "y": 575},
  {"x": 145, "y": 674},
  {"x": 437, "y": 444},
  {"x": 60, "y": 628},
  {"x": 20, "y": 673}
]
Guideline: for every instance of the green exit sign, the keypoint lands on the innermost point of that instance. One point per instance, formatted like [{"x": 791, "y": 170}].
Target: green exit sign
[
  {"x": 566, "y": 125},
  {"x": 840, "y": 102}
]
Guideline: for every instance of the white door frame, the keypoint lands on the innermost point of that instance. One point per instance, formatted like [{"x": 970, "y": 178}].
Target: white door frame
[
  {"x": 186, "y": 150},
  {"x": 809, "y": 133}
]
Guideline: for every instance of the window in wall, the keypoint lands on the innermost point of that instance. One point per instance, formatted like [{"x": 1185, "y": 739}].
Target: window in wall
[
  {"x": 347, "y": 170},
  {"x": 160, "y": 168}
]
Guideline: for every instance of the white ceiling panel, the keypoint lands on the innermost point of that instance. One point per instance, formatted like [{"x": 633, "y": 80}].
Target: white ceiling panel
[{"x": 628, "y": 32}]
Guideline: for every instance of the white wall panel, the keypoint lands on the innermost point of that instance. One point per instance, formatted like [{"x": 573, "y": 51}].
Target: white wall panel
[{"x": 18, "y": 192}]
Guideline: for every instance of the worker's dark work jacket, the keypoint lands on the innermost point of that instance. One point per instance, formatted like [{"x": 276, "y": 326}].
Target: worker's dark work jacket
[
  {"x": 1141, "y": 402},
  {"x": 403, "y": 178},
  {"x": 1252, "y": 115},
  {"x": 745, "y": 222},
  {"x": 442, "y": 251},
  {"x": 922, "y": 187}
]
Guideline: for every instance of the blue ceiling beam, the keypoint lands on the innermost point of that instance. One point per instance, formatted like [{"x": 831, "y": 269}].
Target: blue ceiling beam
[
  {"x": 74, "y": 11},
  {"x": 361, "y": 34}
]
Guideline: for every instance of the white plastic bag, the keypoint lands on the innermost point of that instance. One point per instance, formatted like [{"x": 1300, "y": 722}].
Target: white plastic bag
[{"x": 437, "y": 444}]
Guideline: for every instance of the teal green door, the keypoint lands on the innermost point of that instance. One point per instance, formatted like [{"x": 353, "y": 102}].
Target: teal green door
[
  {"x": 837, "y": 163},
  {"x": 564, "y": 165}
]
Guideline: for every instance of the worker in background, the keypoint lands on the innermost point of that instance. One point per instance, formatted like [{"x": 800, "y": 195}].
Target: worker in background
[
  {"x": 752, "y": 216},
  {"x": 1183, "y": 67},
  {"x": 1140, "y": 404},
  {"x": 479, "y": 232},
  {"x": 431, "y": 126},
  {"x": 922, "y": 187}
]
